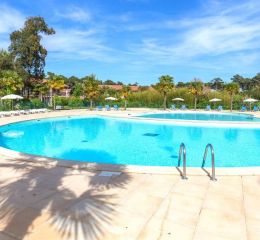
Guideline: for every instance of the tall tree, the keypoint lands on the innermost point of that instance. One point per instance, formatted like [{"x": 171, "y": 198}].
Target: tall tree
[
  {"x": 232, "y": 89},
  {"x": 164, "y": 86},
  {"x": 126, "y": 91},
  {"x": 10, "y": 82},
  {"x": 91, "y": 88},
  {"x": 196, "y": 89},
  {"x": 256, "y": 81},
  {"x": 6, "y": 61},
  {"x": 240, "y": 81},
  {"x": 27, "y": 51},
  {"x": 217, "y": 84}
]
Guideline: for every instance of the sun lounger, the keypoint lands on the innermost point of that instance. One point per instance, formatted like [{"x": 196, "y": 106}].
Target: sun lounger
[
  {"x": 107, "y": 107},
  {"x": 183, "y": 107},
  {"x": 208, "y": 108},
  {"x": 7, "y": 114},
  {"x": 58, "y": 107},
  {"x": 99, "y": 108},
  {"x": 255, "y": 108},
  {"x": 173, "y": 107},
  {"x": 220, "y": 108},
  {"x": 115, "y": 107},
  {"x": 243, "y": 109}
]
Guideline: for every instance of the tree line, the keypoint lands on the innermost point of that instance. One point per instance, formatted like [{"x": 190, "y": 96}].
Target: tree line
[{"x": 22, "y": 72}]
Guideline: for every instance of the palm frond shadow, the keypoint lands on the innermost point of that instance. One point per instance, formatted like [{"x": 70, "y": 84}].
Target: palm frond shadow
[{"x": 39, "y": 188}]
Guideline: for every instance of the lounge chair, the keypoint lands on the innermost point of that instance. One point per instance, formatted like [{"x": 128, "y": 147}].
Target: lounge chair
[
  {"x": 183, "y": 107},
  {"x": 243, "y": 109},
  {"x": 107, "y": 107},
  {"x": 173, "y": 107},
  {"x": 22, "y": 112},
  {"x": 58, "y": 107},
  {"x": 99, "y": 108},
  {"x": 7, "y": 114},
  {"x": 220, "y": 108},
  {"x": 255, "y": 108},
  {"x": 115, "y": 107},
  {"x": 208, "y": 108}
]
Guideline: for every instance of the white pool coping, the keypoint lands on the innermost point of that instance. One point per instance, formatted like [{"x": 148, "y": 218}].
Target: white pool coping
[{"x": 192, "y": 171}]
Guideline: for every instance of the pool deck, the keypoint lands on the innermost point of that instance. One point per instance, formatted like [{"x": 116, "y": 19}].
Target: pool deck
[{"x": 52, "y": 200}]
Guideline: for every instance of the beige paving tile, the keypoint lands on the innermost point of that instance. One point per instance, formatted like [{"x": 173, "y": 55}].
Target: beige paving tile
[
  {"x": 253, "y": 228},
  {"x": 204, "y": 235},
  {"x": 126, "y": 226},
  {"x": 8, "y": 211},
  {"x": 30, "y": 196},
  {"x": 141, "y": 204},
  {"x": 185, "y": 203},
  {"x": 186, "y": 187},
  {"x": 25, "y": 222},
  {"x": 220, "y": 203},
  {"x": 176, "y": 231},
  {"x": 251, "y": 185},
  {"x": 252, "y": 206},
  {"x": 4, "y": 236},
  {"x": 226, "y": 225},
  {"x": 227, "y": 186},
  {"x": 159, "y": 186},
  {"x": 56, "y": 203}
]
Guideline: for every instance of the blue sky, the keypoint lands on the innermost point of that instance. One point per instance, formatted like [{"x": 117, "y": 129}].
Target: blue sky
[{"x": 139, "y": 40}]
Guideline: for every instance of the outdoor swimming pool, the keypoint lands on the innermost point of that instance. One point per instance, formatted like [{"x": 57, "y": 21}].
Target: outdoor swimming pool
[
  {"x": 128, "y": 141},
  {"x": 204, "y": 116}
]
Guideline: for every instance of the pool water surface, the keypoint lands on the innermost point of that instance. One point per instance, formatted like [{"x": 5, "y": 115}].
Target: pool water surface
[{"x": 134, "y": 142}]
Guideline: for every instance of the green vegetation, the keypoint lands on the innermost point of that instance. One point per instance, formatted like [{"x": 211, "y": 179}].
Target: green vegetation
[
  {"x": 164, "y": 86},
  {"x": 232, "y": 89},
  {"x": 91, "y": 88},
  {"x": 196, "y": 89},
  {"x": 22, "y": 72}
]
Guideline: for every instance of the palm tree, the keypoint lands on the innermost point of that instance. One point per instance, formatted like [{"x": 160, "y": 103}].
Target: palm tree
[
  {"x": 54, "y": 83},
  {"x": 164, "y": 86},
  {"x": 91, "y": 88},
  {"x": 196, "y": 89},
  {"x": 126, "y": 91},
  {"x": 232, "y": 89}
]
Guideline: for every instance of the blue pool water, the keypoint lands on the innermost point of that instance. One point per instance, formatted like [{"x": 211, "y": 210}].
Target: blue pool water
[
  {"x": 204, "y": 116},
  {"x": 139, "y": 142}
]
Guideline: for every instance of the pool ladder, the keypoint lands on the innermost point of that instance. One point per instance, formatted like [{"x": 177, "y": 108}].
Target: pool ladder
[
  {"x": 182, "y": 153},
  {"x": 213, "y": 175}
]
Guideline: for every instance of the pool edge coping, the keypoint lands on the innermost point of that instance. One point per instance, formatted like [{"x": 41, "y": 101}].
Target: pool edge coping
[{"x": 191, "y": 171}]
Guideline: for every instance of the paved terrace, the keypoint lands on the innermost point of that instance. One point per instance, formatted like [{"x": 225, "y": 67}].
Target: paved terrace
[{"x": 51, "y": 202}]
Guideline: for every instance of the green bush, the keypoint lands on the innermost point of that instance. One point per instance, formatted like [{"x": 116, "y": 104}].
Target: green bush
[
  {"x": 36, "y": 103},
  {"x": 75, "y": 102}
]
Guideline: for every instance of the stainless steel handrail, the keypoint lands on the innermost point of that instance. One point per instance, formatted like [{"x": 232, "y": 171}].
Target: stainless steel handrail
[
  {"x": 182, "y": 152},
  {"x": 213, "y": 175}
]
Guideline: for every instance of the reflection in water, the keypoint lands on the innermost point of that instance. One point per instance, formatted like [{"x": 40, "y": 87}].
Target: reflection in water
[
  {"x": 94, "y": 127},
  {"x": 195, "y": 133},
  {"x": 231, "y": 134},
  {"x": 125, "y": 128}
]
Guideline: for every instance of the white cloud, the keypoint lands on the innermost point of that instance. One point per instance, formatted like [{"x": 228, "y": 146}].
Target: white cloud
[
  {"x": 10, "y": 20},
  {"x": 220, "y": 31},
  {"x": 77, "y": 45},
  {"x": 76, "y": 14}
]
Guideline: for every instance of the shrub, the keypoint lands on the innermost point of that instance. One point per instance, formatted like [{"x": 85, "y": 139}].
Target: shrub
[{"x": 75, "y": 102}]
